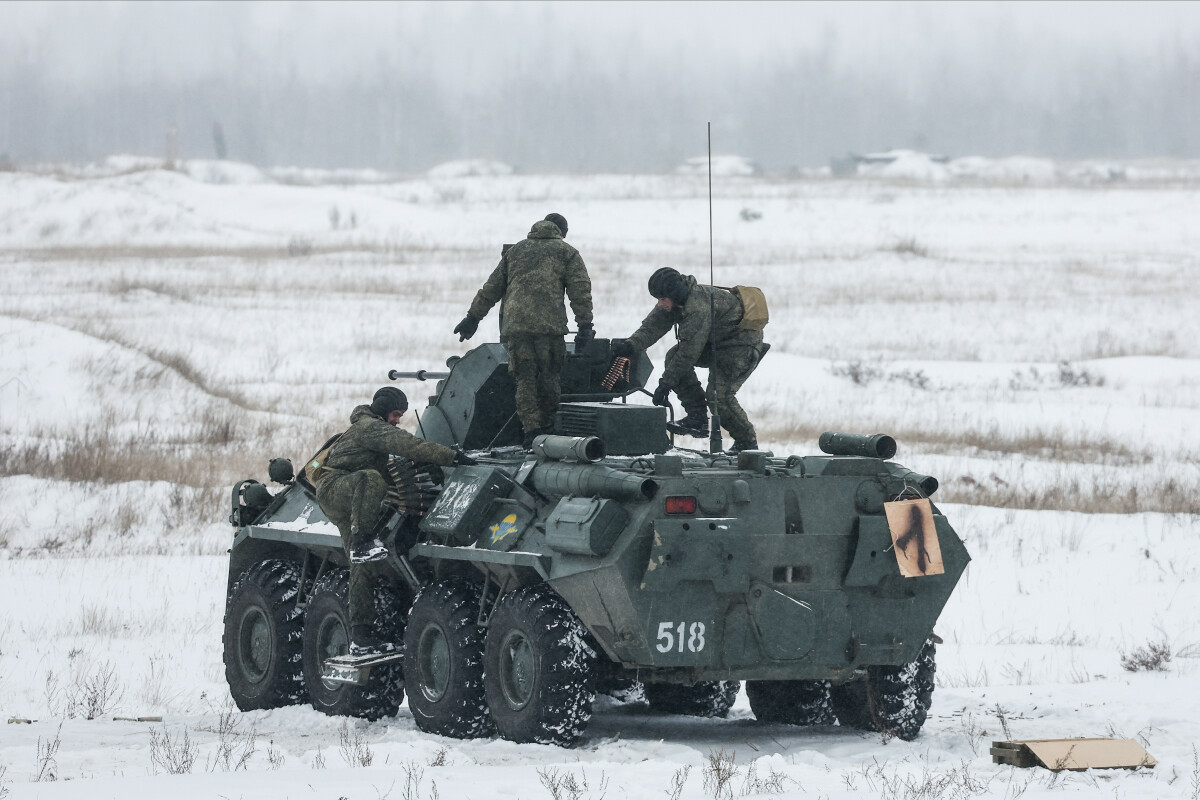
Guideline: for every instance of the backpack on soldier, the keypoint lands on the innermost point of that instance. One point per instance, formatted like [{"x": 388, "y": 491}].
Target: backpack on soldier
[
  {"x": 754, "y": 308},
  {"x": 315, "y": 468}
]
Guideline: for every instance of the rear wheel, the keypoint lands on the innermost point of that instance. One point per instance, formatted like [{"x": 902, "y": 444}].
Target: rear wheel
[
  {"x": 791, "y": 702},
  {"x": 262, "y": 637},
  {"x": 443, "y": 663},
  {"x": 701, "y": 699},
  {"x": 539, "y": 672},
  {"x": 327, "y": 634},
  {"x": 892, "y": 700}
]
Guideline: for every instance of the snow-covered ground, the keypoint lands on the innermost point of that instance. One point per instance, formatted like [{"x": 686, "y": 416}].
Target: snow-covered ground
[{"x": 1033, "y": 344}]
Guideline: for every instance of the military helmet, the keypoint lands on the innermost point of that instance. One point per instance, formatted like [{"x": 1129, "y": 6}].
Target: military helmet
[
  {"x": 667, "y": 282},
  {"x": 560, "y": 221},
  {"x": 387, "y": 400}
]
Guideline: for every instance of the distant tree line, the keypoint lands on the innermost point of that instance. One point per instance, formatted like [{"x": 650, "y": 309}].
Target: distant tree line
[{"x": 799, "y": 111}]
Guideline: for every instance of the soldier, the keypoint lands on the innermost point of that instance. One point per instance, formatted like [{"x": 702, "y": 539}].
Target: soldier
[
  {"x": 351, "y": 489},
  {"x": 691, "y": 306},
  {"x": 531, "y": 278}
]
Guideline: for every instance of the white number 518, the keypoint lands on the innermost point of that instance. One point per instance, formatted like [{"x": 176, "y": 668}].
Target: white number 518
[{"x": 669, "y": 634}]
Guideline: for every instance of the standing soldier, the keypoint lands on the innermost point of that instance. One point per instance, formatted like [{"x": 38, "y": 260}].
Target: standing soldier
[
  {"x": 531, "y": 278},
  {"x": 695, "y": 309},
  {"x": 351, "y": 489}
]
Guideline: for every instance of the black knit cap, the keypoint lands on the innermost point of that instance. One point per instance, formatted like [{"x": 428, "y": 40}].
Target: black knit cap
[
  {"x": 387, "y": 400},
  {"x": 560, "y": 221},
  {"x": 667, "y": 282}
]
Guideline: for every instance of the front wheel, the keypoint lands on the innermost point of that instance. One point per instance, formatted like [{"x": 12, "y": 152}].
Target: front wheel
[
  {"x": 327, "y": 634},
  {"x": 262, "y": 637},
  {"x": 539, "y": 671},
  {"x": 443, "y": 661},
  {"x": 892, "y": 700}
]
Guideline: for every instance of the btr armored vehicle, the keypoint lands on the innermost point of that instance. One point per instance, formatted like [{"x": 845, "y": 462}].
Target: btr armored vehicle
[{"x": 604, "y": 558}]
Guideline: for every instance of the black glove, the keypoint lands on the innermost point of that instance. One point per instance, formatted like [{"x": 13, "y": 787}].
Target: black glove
[
  {"x": 623, "y": 348},
  {"x": 466, "y": 329},
  {"x": 585, "y": 336},
  {"x": 660, "y": 394},
  {"x": 461, "y": 459}
]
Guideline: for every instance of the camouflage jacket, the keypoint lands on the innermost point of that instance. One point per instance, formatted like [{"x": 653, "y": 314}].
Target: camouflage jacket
[
  {"x": 370, "y": 439},
  {"x": 531, "y": 278},
  {"x": 693, "y": 321}
]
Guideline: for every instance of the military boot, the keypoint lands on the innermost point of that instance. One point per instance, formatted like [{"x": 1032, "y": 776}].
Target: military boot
[
  {"x": 740, "y": 446},
  {"x": 365, "y": 547},
  {"x": 693, "y": 424},
  {"x": 364, "y": 642}
]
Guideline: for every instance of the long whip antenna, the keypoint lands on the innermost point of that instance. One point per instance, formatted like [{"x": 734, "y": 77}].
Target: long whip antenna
[{"x": 714, "y": 435}]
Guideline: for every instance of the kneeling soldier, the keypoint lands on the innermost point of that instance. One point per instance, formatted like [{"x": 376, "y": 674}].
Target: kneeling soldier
[{"x": 351, "y": 490}]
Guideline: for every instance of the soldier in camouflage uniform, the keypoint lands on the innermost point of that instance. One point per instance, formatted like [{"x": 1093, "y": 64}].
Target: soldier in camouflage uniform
[
  {"x": 351, "y": 489},
  {"x": 690, "y": 307},
  {"x": 531, "y": 278}
]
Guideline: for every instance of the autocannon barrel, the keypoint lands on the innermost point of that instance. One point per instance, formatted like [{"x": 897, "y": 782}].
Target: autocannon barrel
[
  {"x": 421, "y": 375},
  {"x": 591, "y": 480},
  {"x": 879, "y": 445},
  {"x": 570, "y": 448},
  {"x": 927, "y": 483}
]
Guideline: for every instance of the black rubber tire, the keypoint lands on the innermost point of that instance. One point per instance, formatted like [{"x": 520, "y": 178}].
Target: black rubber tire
[
  {"x": 327, "y": 634},
  {"x": 701, "y": 699},
  {"x": 539, "y": 671},
  {"x": 892, "y": 700},
  {"x": 443, "y": 662},
  {"x": 791, "y": 702},
  {"x": 262, "y": 637}
]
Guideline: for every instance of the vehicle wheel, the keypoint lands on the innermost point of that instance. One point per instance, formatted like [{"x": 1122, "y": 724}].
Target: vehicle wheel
[
  {"x": 892, "y": 700},
  {"x": 327, "y": 634},
  {"x": 702, "y": 699},
  {"x": 791, "y": 702},
  {"x": 443, "y": 663},
  {"x": 539, "y": 674},
  {"x": 262, "y": 637}
]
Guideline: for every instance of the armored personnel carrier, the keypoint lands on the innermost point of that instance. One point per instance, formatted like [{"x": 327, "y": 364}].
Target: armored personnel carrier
[{"x": 604, "y": 558}]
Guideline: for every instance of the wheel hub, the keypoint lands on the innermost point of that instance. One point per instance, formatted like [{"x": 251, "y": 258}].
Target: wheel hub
[
  {"x": 254, "y": 644},
  {"x": 518, "y": 670},
  {"x": 433, "y": 662},
  {"x": 332, "y": 641}
]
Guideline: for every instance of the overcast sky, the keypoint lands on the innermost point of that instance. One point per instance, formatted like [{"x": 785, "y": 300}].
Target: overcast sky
[{"x": 709, "y": 54}]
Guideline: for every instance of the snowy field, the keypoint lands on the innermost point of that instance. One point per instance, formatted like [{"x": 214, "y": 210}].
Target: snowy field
[{"x": 1032, "y": 342}]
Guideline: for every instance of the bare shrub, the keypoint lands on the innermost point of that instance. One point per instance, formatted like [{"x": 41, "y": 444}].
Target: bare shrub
[
  {"x": 318, "y": 761},
  {"x": 566, "y": 785},
  {"x": 274, "y": 757},
  {"x": 859, "y": 373},
  {"x": 353, "y": 747},
  {"x": 719, "y": 773},
  {"x": 754, "y": 784},
  {"x": 439, "y": 758},
  {"x": 47, "y": 762},
  {"x": 1070, "y": 375},
  {"x": 172, "y": 755},
  {"x": 1152, "y": 657},
  {"x": 95, "y": 695},
  {"x": 412, "y": 781},
  {"x": 235, "y": 745},
  {"x": 3, "y": 782},
  {"x": 678, "y": 779},
  {"x": 1195, "y": 774},
  {"x": 909, "y": 246},
  {"x": 972, "y": 731}
]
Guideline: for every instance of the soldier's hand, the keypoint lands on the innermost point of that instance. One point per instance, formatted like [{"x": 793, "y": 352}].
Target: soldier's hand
[
  {"x": 623, "y": 348},
  {"x": 584, "y": 337},
  {"x": 461, "y": 459},
  {"x": 466, "y": 329},
  {"x": 660, "y": 394}
]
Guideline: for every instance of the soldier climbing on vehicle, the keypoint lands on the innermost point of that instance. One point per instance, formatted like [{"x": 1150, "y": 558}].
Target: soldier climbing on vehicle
[
  {"x": 530, "y": 279},
  {"x": 694, "y": 309},
  {"x": 351, "y": 488}
]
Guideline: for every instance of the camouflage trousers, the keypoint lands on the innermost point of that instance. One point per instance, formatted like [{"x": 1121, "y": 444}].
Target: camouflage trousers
[
  {"x": 536, "y": 363},
  {"x": 726, "y": 374},
  {"x": 354, "y": 499}
]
